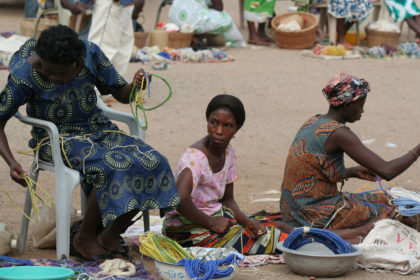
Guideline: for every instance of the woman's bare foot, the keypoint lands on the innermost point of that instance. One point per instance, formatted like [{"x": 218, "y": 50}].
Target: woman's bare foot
[
  {"x": 256, "y": 40},
  {"x": 88, "y": 246},
  {"x": 265, "y": 38},
  {"x": 110, "y": 241}
]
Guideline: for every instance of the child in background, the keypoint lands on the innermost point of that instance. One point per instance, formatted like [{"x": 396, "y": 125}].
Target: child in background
[{"x": 258, "y": 11}]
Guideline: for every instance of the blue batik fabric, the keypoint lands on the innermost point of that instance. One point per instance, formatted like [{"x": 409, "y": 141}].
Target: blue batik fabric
[
  {"x": 125, "y": 172},
  {"x": 350, "y": 10}
]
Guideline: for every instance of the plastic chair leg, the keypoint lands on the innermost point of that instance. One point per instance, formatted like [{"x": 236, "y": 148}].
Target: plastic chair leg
[
  {"x": 27, "y": 208},
  {"x": 357, "y": 34},
  {"x": 146, "y": 220},
  {"x": 241, "y": 13},
  {"x": 158, "y": 12},
  {"x": 65, "y": 183},
  {"x": 332, "y": 29},
  {"x": 84, "y": 201}
]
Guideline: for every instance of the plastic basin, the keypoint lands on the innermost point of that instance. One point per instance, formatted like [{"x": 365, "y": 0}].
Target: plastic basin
[
  {"x": 315, "y": 259},
  {"x": 168, "y": 271},
  {"x": 35, "y": 273}
]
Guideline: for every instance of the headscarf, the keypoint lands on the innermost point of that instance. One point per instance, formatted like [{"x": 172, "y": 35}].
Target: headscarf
[{"x": 344, "y": 88}]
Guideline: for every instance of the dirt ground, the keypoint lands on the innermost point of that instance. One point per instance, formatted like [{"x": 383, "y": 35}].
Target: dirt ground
[{"x": 280, "y": 90}]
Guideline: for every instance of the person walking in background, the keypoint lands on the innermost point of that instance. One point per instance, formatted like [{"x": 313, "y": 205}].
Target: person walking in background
[
  {"x": 138, "y": 8},
  {"x": 78, "y": 9},
  {"x": 112, "y": 31},
  {"x": 258, "y": 11}
]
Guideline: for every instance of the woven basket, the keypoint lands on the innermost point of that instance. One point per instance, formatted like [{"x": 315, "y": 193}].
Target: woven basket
[
  {"x": 376, "y": 38},
  {"x": 295, "y": 40},
  {"x": 178, "y": 40},
  {"x": 140, "y": 39}
]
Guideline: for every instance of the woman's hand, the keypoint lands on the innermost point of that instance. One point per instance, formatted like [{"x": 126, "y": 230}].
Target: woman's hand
[
  {"x": 361, "y": 173},
  {"x": 220, "y": 224},
  {"x": 255, "y": 228},
  {"x": 138, "y": 78},
  {"x": 16, "y": 172}
]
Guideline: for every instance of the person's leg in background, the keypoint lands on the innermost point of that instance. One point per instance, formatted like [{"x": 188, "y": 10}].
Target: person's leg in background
[
  {"x": 31, "y": 8},
  {"x": 258, "y": 12},
  {"x": 138, "y": 8},
  {"x": 105, "y": 31},
  {"x": 126, "y": 39},
  {"x": 414, "y": 24},
  {"x": 342, "y": 28}
]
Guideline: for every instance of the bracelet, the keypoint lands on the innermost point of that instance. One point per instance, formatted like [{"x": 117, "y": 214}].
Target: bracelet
[{"x": 414, "y": 154}]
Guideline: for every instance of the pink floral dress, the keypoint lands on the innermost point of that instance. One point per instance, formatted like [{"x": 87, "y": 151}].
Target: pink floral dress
[{"x": 208, "y": 187}]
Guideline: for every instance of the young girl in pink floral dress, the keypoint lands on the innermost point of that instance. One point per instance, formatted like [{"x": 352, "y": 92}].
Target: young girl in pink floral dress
[{"x": 208, "y": 215}]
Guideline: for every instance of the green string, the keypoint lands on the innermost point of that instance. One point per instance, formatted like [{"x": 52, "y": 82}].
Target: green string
[{"x": 137, "y": 107}]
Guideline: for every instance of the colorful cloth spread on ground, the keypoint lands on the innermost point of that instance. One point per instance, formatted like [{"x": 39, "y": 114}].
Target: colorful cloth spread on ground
[
  {"x": 236, "y": 238},
  {"x": 351, "y": 10},
  {"x": 208, "y": 188},
  {"x": 258, "y": 10},
  {"x": 82, "y": 270},
  {"x": 404, "y": 50},
  {"x": 309, "y": 194},
  {"x": 125, "y": 172},
  {"x": 400, "y": 10},
  {"x": 197, "y": 14},
  {"x": 185, "y": 55}
]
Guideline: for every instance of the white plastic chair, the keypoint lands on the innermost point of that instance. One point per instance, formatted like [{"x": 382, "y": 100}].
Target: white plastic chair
[
  {"x": 67, "y": 179},
  {"x": 62, "y": 13}
]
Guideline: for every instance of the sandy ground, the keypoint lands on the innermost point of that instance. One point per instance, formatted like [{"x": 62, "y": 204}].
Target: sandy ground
[{"x": 280, "y": 90}]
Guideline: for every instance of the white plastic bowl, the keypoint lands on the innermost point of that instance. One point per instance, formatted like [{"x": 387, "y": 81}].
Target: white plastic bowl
[
  {"x": 315, "y": 259},
  {"x": 169, "y": 271}
]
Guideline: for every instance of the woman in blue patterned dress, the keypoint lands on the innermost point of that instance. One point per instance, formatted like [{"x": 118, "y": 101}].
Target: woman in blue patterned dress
[
  {"x": 55, "y": 76},
  {"x": 347, "y": 12}
]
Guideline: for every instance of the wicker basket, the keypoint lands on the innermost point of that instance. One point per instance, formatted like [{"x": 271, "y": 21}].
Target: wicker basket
[
  {"x": 178, "y": 40},
  {"x": 295, "y": 40},
  {"x": 376, "y": 38},
  {"x": 140, "y": 39}
]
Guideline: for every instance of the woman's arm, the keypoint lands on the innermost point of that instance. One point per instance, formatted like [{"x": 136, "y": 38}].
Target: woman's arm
[
  {"x": 16, "y": 170},
  {"x": 345, "y": 140},
  {"x": 191, "y": 212},
  {"x": 75, "y": 8},
  {"x": 253, "y": 226}
]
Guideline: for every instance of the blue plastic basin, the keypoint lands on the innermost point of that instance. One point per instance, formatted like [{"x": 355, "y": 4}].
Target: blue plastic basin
[{"x": 35, "y": 273}]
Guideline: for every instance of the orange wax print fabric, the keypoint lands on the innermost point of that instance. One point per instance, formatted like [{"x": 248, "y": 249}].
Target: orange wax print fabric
[{"x": 309, "y": 194}]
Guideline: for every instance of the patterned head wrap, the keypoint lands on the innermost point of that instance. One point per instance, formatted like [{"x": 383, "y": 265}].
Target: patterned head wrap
[{"x": 344, "y": 88}]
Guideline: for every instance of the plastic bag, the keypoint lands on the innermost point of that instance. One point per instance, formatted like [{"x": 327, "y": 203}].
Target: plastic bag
[
  {"x": 6, "y": 238},
  {"x": 44, "y": 232}
]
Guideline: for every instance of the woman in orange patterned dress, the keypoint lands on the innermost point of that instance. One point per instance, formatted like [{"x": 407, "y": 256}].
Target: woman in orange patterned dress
[{"x": 315, "y": 165}]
